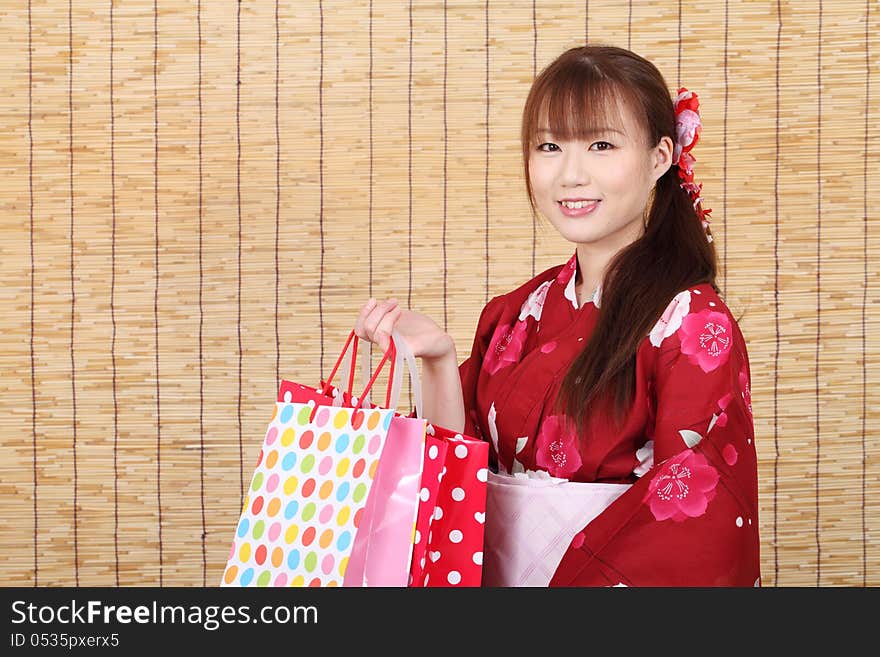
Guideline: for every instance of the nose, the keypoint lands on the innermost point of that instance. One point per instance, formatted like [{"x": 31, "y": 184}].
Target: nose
[{"x": 575, "y": 168}]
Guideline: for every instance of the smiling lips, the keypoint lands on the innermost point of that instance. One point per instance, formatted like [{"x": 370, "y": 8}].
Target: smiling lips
[{"x": 578, "y": 207}]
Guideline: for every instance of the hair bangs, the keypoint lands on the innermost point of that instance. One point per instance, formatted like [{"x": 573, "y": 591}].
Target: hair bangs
[{"x": 577, "y": 103}]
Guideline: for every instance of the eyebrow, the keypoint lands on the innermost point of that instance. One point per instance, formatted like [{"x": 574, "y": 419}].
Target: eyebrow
[{"x": 594, "y": 131}]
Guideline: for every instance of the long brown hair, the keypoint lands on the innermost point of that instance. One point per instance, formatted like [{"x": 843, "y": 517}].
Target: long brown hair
[{"x": 577, "y": 92}]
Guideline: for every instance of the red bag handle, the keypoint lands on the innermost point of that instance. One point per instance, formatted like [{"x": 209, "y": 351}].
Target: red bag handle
[
  {"x": 351, "y": 337},
  {"x": 390, "y": 352}
]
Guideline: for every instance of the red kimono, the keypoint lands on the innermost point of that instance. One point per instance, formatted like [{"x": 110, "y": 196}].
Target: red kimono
[{"x": 687, "y": 445}]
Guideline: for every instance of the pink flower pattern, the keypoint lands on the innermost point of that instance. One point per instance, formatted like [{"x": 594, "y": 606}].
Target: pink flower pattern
[
  {"x": 557, "y": 448},
  {"x": 730, "y": 454},
  {"x": 721, "y": 418},
  {"x": 694, "y": 388},
  {"x": 682, "y": 488},
  {"x": 706, "y": 339},
  {"x": 506, "y": 347}
]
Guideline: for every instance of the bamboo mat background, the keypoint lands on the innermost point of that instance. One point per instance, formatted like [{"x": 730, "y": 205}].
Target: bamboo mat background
[{"x": 197, "y": 197}]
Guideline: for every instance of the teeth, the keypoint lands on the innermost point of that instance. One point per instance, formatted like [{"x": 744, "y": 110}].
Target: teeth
[{"x": 576, "y": 205}]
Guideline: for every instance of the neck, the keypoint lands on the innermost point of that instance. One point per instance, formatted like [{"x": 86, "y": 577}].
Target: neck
[
  {"x": 591, "y": 270},
  {"x": 593, "y": 261}
]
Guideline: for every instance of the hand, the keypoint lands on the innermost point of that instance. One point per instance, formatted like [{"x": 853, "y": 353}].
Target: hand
[{"x": 377, "y": 320}]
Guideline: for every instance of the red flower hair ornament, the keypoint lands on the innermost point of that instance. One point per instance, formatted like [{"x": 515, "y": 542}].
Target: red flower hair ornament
[{"x": 687, "y": 132}]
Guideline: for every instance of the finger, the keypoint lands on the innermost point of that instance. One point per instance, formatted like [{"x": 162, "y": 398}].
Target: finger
[
  {"x": 386, "y": 326},
  {"x": 373, "y": 319},
  {"x": 370, "y": 317},
  {"x": 359, "y": 323}
]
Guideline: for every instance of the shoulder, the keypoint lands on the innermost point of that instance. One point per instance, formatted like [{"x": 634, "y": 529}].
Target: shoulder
[
  {"x": 699, "y": 324},
  {"x": 706, "y": 305},
  {"x": 698, "y": 297}
]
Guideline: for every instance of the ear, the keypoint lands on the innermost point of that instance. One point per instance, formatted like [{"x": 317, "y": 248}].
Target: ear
[{"x": 661, "y": 157}]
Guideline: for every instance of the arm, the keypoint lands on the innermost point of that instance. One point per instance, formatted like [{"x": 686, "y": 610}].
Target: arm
[{"x": 441, "y": 391}]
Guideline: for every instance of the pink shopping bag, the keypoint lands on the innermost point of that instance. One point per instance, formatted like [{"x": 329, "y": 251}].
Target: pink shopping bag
[{"x": 383, "y": 546}]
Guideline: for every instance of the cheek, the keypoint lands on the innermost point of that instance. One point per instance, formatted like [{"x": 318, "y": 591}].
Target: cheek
[
  {"x": 633, "y": 180},
  {"x": 540, "y": 177}
]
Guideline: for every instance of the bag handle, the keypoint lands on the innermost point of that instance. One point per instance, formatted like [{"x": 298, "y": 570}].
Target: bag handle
[
  {"x": 352, "y": 337},
  {"x": 404, "y": 353},
  {"x": 390, "y": 353},
  {"x": 404, "y": 356}
]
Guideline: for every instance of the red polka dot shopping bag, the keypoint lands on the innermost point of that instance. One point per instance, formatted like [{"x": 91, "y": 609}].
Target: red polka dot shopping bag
[{"x": 452, "y": 515}]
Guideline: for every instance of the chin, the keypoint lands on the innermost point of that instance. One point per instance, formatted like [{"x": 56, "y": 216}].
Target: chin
[{"x": 578, "y": 234}]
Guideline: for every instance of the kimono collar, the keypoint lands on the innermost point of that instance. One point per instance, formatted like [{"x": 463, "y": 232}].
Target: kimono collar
[{"x": 568, "y": 276}]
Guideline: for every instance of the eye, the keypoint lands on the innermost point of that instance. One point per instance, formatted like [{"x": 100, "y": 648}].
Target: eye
[
  {"x": 548, "y": 147},
  {"x": 601, "y": 146}
]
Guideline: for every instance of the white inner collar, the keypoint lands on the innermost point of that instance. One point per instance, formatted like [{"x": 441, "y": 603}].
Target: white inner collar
[{"x": 571, "y": 295}]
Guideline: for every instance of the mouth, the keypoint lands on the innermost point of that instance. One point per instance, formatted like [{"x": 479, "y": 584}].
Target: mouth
[{"x": 577, "y": 207}]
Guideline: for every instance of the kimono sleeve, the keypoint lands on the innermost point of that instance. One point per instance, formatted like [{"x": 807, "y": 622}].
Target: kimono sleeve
[
  {"x": 469, "y": 370},
  {"x": 692, "y": 519}
]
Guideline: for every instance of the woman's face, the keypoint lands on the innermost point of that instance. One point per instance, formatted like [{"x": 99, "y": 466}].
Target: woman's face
[{"x": 595, "y": 191}]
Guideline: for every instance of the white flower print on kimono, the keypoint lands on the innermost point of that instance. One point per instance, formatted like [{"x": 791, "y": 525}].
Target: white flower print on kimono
[
  {"x": 670, "y": 320},
  {"x": 645, "y": 455},
  {"x": 517, "y": 464},
  {"x": 534, "y": 305}
]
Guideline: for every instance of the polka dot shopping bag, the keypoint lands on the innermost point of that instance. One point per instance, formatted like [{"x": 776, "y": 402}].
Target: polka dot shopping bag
[
  {"x": 309, "y": 488},
  {"x": 452, "y": 515}
]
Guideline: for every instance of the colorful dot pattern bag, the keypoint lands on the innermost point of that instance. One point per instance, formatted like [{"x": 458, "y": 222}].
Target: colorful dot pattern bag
[{"x": 307, "y": 495}]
